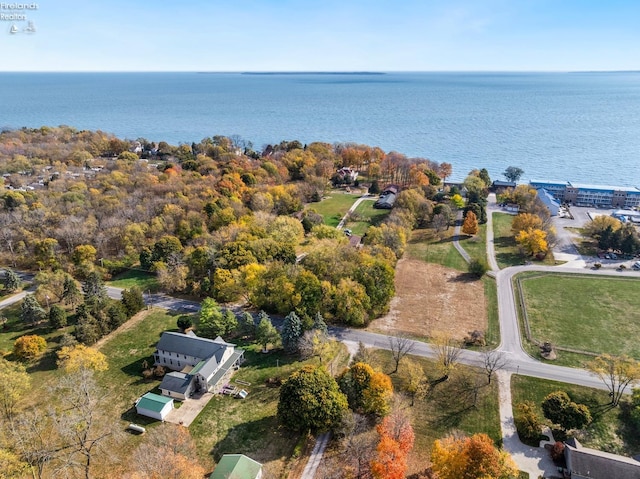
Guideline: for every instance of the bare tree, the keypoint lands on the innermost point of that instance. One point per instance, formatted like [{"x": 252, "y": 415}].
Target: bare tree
[
  {"x": 357, "y": 449},
  {"x": 448, "y": 352},
  {"x": 77, "y": 424},
  {"x": 400, "y": 346},
  {"x": 493, "y": 360}
]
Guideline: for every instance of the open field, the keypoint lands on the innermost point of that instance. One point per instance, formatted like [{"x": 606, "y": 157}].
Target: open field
[
  {"x": 431, "y": 298},
  {"x": 334, "y": 206},
  {"x": 608, "y": 431},
  {"x": 591, "y": 314},
  {"x": 145, "y": 281},
  {"x": 367, "y": 216},
  {"x": 425, "y": 245},
  {"x": 437, "y": 415}
]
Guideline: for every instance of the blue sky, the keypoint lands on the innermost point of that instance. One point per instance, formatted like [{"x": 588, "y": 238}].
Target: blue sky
[{"x": 328, "y": 35}]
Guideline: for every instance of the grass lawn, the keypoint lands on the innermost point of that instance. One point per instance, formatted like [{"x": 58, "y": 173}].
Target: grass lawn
[
  {"x": 445, "y": 409},
  {"x": 426, "y": 245},
  {"x": 608, "y": 431},
  {"x": 143, "y": 280},
  {"x": 507, "y": 252},
  {"x": 586, "y": 246},
  {"x": 334, "y": 206},
  {"x": 250, "y": 426},
  {"x": 476, "y": 245},
  {"x": 581, "y": 312},
  {"x": 493, "y": 320},
  {"x": 367, "y": 216}
]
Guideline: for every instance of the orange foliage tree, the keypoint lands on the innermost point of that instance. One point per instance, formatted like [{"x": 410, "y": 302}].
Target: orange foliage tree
[
  {"x": 470, "y": 225},
  {"x": 396, "y": 440},
  {"x": 474, "y": 457}
]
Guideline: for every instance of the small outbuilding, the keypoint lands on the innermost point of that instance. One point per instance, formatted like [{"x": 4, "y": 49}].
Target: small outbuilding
[
  {"x": 237, "y": 466},
  {"x": 154, "y": 406}
]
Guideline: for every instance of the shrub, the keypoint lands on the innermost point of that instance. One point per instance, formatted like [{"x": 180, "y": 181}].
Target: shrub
[
  {"x": 478, "y": 268},
  {"x": 527, "y": 421}
]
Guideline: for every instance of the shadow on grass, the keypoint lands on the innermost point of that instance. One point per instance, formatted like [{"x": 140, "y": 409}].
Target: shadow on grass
[
  {"x": 130, "y": 415},
  {"x": 134, "y": 369},
  {"x": 250, "y": 436},
  {"x": 48, "y": 362},
  {"x": 464, "y": 278}
]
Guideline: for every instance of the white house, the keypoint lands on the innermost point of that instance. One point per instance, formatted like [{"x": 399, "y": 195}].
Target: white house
[
  {"x": 154, "y": 405},
  {"x": 201, "y": 364}
]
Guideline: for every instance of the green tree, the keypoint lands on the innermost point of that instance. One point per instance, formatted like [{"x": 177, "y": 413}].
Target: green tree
[
  {"x": 311, "y": 400},
  {"x": 31, "y": 311},
  {"x": 319, "y": 324},
  {"x": 11, "y": 280},
  {"x": 559, "y": 409},
  {"x": 367, "y": 391},
  {"x": 513, "y": 173},
  {"x": 57, "y": 317},
  {"x": 351, "y": 303},
  {"x": 71, "y": 293},
  {"x": 478, "y": 267},
  {"x": 184, "y": 322},
  {"x": 94, "y": 289},
  {"x": 132, "y": 300},
  {"x": 230, "y": 322},
  {"x": 247, "y": 325},
  {"x": 211, "y": 322},
  {"x": 266, "y": 333},
  {"x": 291, "y": 333}
]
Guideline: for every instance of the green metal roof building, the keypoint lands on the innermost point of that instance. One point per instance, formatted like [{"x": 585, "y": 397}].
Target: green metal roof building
[
  {"x": 154, "y": 405},
  {"x": 237, "y": 466}
]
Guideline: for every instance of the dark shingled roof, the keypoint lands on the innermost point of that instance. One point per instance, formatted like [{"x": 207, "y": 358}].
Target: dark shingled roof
[
  {"x": 192, "y": 345},
  {"x": 591, "y": 463},
  {"x": 176, "y": 382}
]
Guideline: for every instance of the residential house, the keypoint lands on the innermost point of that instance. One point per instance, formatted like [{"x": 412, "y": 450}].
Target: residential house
[
  {"x": 154, "y": 405},
  {"x": 199, "y": 364},
  {"x": 587, "y": 463},
  {"x": 237, "y": 466}
]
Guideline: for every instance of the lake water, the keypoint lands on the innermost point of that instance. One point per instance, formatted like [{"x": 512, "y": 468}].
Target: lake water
[{"x": 583, "y": 127}]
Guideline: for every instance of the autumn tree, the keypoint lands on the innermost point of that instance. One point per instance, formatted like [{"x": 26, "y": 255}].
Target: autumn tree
[
  {"x": 473, "y": 457},
  {"x": 311, "y": 400},
  {"x": 414, "y": 380},
  {"x": 616, "y": 372},
  {"x": 470, "y": 225},
  {"x": 533, "y": 241},
  {"x": 367, "y": 391},
  {"x": 29, "y": 347},
  {"x": 396, "y": 441},
  {"x": 526, "y": 221},
  {"x": 527, "y": 421},
  {"x": 15, "y": 382},
  {"x": 79, "y": 357}
]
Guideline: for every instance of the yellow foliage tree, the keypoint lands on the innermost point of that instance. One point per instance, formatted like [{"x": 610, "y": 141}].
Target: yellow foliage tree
[
  {"x": 80, "y": 357},
  {"x": 14, "y": 384},
  {"x": 526, "y": 221},
  {"x": 29, "y": 347},
  {"x": 470, "y": 225},
  {"x": 533, "y": 241},
  {"x": 473, "y": 457}
]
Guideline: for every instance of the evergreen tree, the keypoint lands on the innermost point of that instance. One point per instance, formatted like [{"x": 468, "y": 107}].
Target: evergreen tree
[
  {"x": 132, "y": 300},
  {"x": 211, "y": 321},
  {"x": 71, "y": 293},
  {"x": 184, "y": 322},
  {"x": 247, "y": 324},
  {"x": 31, "y": 311},
  {"x": 319, "y": 324},
  {"x": 117, "y": 315},
  {"x": 57, "y": 317},
  {"x": 291, "y": 332},
  {"x": 94, "y": 289},
  {"x": 11, "y": 280},
  {"x": 230, "y": 322},
  {"x": 266, "y": 333}
]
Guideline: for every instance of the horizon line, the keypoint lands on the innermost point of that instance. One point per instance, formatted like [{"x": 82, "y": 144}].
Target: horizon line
[{"x": 318, "y": 72}]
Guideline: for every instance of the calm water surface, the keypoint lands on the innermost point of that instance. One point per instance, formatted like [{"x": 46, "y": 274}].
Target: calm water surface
[{"x": 583, "y": 127}]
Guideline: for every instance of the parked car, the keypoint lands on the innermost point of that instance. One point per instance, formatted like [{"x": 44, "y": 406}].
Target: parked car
[{"x": 636, "y": 265}]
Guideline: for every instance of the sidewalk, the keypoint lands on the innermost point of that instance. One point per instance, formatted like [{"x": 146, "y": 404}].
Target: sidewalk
[{"x": 534, "y": 460}]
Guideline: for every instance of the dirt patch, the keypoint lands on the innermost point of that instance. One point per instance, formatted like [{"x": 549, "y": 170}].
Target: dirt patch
[{"x": 431, "y": 298}]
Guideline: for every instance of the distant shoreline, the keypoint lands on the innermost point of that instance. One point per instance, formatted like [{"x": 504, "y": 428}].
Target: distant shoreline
[{"x": 313, "y": 73}]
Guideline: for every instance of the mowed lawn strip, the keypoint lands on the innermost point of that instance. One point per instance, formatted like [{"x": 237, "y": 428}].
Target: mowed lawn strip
[
  {"x": 334, "y": 206},
  {"x": 426, "y": 245},
  {"x": 367, "y": 216},
  {"x": 143, "y": 280},
  {"x": 610, "y": 431},
  {"x": 476, "y": 245},
  {"x": 594, "y": 314},
  {"x": 507, "y": 251}
]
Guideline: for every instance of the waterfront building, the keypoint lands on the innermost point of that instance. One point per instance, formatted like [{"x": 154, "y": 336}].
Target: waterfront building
[{"x": 581, "y": 194}]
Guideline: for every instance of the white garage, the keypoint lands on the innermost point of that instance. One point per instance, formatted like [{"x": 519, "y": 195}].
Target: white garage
[{"x": 154, "y": 405}]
